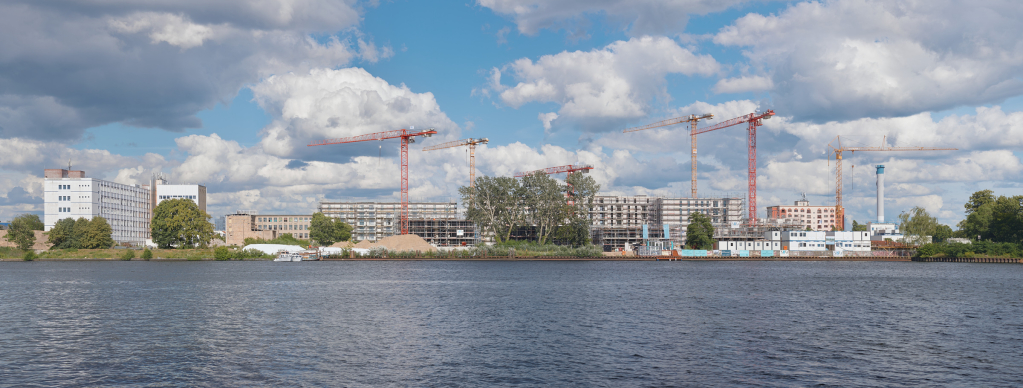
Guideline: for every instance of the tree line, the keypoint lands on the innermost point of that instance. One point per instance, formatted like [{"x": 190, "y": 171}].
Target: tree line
[
  {"x": 988, "y": 218},
  {"x": 501, "y": 205}
]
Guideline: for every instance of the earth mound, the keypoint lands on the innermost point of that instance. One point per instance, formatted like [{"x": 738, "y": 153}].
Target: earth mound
[{"x": 408, "y": 242}]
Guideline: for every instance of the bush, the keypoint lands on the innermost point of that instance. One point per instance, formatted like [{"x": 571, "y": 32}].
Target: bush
[
  {"x": 128, "y": 255},
  {"x": 147, "y": 254},
  {"x": 29, "y": 255},
  {"x": 222, "y": 253},
  {"x": 250, "y": 254}
]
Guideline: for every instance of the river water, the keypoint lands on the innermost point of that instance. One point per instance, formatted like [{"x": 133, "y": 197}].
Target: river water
[{"x": 453, "y": 323}]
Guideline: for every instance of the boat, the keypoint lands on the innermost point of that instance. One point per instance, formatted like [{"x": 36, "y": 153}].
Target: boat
[{"x": 288, "y": 256}]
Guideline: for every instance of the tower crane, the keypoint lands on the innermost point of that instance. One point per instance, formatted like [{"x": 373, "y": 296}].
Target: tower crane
[
  {"x": 755, "y": 120},
  {"x": 407, "y": 136},
  {"x": 838, "y": 149},
  {"x": 472, "y": 153},
  {"x": 557, "y": 170},
  {"x": 692, "y": 119}
]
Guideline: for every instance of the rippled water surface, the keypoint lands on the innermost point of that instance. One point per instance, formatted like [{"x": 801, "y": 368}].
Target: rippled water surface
[{"x": 510, "y": 323}]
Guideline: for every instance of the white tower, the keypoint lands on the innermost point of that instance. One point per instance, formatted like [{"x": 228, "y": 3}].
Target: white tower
[{"x": 880, "y": 193}]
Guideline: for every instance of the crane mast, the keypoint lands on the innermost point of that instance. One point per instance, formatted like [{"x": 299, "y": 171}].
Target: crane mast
[
  {"x": 837, "y": 149},
  {"x": 755, "y": 120},
  {"x": 407, "y": 136},
  {"x": 692, "y": 119},
  {"x": 472, "y": 153}
]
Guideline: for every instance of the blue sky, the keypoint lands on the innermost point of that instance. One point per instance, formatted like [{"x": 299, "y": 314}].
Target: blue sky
[{"x": 227, "y": 95}]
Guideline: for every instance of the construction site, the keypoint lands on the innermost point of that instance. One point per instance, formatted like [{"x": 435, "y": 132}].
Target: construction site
[{"x": 619, "y": 222}]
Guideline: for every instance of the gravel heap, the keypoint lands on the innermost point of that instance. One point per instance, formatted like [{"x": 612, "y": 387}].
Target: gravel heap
[{"x": 408, "y": 242}]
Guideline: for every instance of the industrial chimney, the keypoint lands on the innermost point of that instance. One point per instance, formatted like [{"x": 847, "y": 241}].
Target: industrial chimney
[{"x": 880, "y": 193}]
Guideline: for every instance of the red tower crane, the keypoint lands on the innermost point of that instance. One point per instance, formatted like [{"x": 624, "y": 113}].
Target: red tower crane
[
  {"x": 406, "y": 136},
  {"x": 692, "y": 119},
  {"x": 557, "y": 170},
  {"x": 754, "y": 120}
]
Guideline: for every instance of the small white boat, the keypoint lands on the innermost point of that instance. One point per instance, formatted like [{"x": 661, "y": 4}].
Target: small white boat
[{"x": 288, "y": 256}]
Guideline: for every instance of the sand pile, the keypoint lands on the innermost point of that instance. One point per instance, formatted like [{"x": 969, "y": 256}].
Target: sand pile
[
  {"x": 408, "y": 242},
  {"x": 39, "y": 244},
  {"x": 365, "y": 244}
]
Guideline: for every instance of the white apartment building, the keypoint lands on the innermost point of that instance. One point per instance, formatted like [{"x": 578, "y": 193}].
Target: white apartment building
[
  {"x": 69, "y": 194},
  {"x": 196, "y": 193}
]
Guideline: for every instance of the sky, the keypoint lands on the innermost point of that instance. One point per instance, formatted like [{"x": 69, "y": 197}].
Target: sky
[{"x": 228, "y": 94}]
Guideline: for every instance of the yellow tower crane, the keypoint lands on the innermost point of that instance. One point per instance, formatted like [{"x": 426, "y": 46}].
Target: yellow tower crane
[
  {"x": 472, "y": 153},
  {"x": 837, "y": 149},
  {"x": 692, "y": 119}
]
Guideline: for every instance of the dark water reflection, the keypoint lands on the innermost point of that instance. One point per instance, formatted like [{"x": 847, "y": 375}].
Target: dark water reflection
[{"x": 510, "y": 323}]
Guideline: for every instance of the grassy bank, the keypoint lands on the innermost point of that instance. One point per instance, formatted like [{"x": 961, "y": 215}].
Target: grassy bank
[{"x": 120, "y": 254}]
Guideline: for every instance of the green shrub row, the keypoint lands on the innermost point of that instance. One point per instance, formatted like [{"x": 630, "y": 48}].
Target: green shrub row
[{"x": 977, "y": 248}]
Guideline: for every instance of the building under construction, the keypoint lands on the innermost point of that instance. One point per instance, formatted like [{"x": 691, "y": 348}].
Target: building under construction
[
  {"x": 640, "y": 220},
  {"x": 439, "y": 223}
]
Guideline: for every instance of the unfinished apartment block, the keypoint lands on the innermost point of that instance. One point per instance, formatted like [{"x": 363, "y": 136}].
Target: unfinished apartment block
[
  {"x": 439, "y": 223},
  {"x": 636, "y": 220}
]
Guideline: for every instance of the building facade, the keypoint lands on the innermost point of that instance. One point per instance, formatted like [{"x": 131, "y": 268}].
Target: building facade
[
  {"x": 817, "y": 218},
  {"x": 375, "y": 220},
  {"x": 69, "y": 194},
  {"x": 164, "y": 190},
  {"x": 248, "y": 224},
  {"x": 618, "y": 221}
]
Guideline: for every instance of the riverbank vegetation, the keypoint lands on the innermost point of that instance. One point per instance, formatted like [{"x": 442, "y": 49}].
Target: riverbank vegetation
[
  {"x": 123, "y": 254},
  {"x": 537, "y": 206}
]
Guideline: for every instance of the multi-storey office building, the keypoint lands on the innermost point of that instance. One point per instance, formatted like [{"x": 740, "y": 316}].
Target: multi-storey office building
[
  {"x": 617, "y": 220},
  {"x": 245, "y": 224},
  {"x": 439, "y": 223},
  {"x": 69, "y": 194}
]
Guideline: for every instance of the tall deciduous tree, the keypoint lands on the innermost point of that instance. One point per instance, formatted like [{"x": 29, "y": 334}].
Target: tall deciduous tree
[
  {"x": 858, "y": 227},
  {"x": 21, "y": 231},
  {"x": 327, "y": 231},
  {"x": 545, "y": 204},
  {"x": 61, "y": 236},
  {"x": 979, "y": 199},
  {"x": 700, "y": 232},
  {"x": 180, "y": 223},
  {"x": 98, "y": 235},
  {"x": 917, "y": 223},
  {"x": 1007, "y": 219},
  {"x": 494, "y": 204}
]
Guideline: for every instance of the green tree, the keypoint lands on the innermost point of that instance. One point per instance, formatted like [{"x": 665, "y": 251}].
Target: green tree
[
  {"x": 326, "y": 230},
  {"x": 858, "y": 227},
  {"x": 61, "y": 236},
  {"x": 917, "y": 223},
  {"x": 979, "y": 199},
  {"x": 942, "y": 233},
  {"x": 21, "y": 232},
  {"x": 78, "y": 232},
  {"x": 97, "y": 235},
  {"x": 545, "y": 206},
  {"x": 147, "y": 254},
  {"x": 977, "y": 224},
  {"x": 1007, "y": 219},
  {"x": 700, "y": 232},
  {"x": 494, "y": 204},
  {"x": 180, "y": 223},
  {"x": 33, "y": 222}
]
